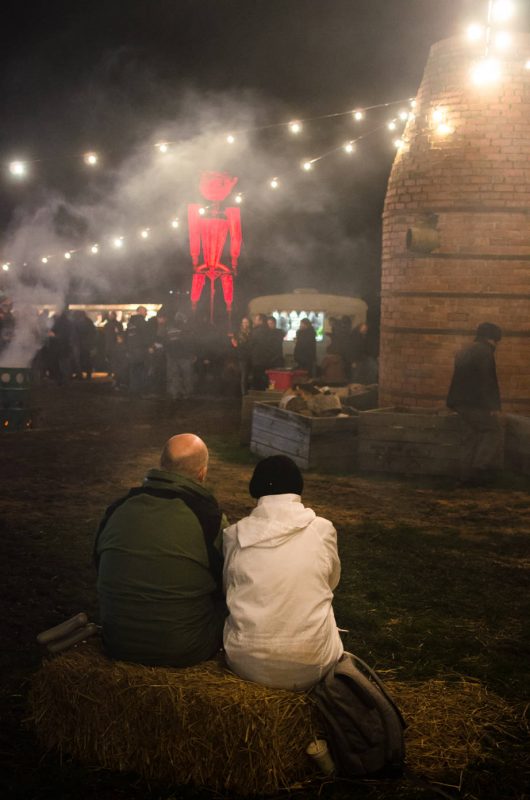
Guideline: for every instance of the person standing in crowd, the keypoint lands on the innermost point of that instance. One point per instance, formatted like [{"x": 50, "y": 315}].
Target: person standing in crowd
[
  {"x": 474, "y": 394},
  {"x": 83, "y": 344},
  {"x": 341, "y": 342},
  {"x": 180, "y": 352},
  {"x": 111, "y": 331},
  {"x": 157, "y": 362},
  {"x": 138, "y": 345},
  {"x": 363, "y": 353},
  {"x": 305, "y": 348},
  {"x": 276, "y": 336},
  {"x": 259, "y": 352},
  {"x": 332, "y": 367},
  {"x": 60, "y": 348},
  {"x": 241, "y": 342},
  {"x": 281, "y": 568}
]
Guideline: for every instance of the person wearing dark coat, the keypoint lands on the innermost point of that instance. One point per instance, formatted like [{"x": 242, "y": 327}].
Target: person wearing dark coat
[
  {"x": 474, "y": 394},
  {"x": 138, "y": 344},
  {"x": 305, "y": 348},
  {"x": 259, "y": 352},
  {"x": 276, "y": 337},
  {"x": 241, "y": 343}
]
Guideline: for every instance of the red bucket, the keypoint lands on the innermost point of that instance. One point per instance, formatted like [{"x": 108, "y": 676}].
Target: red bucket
[{"x": 283, "y": 379}]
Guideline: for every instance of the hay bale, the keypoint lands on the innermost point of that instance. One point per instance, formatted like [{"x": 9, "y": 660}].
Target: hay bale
[
  {"x": 201, "y": 725},
  {"x": 205, "y": 726}
]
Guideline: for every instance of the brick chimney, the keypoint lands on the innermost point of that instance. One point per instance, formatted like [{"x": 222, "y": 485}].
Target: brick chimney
[{"x": 456, "y": 229}]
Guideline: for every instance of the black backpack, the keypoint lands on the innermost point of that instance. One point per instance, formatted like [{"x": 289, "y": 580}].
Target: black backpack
[{"x": 363, "y": 725}]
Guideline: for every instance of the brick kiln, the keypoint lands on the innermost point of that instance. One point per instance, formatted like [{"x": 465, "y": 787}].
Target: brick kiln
[{"x": 456, "y": 229}]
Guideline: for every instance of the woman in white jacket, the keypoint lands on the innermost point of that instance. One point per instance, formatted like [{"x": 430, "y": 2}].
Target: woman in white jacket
[{"x": 281, "y": 567}]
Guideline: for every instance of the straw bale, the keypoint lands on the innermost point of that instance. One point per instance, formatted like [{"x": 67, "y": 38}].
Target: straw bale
[{"x": 205, "y": 726}]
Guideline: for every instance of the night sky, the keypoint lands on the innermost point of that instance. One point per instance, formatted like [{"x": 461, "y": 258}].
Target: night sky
[{"x": 104, "y": 75}]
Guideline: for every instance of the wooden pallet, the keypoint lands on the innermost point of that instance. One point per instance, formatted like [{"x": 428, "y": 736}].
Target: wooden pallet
[
  {"x": 312, "y": 442},
  {"x": 409, "y": 441},
  {"x": 247, "y": 404}
]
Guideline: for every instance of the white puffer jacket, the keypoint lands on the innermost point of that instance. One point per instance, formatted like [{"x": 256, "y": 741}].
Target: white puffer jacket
[{"x": 281, "y": 566}]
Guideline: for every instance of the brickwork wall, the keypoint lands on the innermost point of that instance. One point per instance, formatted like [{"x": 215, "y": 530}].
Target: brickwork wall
[{"x": 473, "y": 186}]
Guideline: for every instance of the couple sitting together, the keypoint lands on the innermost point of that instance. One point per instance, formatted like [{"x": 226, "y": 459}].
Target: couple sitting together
[{"x": 168, "y": 597}]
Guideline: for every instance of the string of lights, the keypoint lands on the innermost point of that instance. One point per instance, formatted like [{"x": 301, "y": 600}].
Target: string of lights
[{"x": 492, "y": 38}]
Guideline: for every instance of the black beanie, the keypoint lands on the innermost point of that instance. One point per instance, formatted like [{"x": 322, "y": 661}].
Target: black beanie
[
  {"x": 488, "y": 330},
  {"x": 276, "y": 475}
]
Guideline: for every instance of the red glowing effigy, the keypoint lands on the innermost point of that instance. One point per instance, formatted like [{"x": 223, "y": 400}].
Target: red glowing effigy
[{"x": 210, "y": 230}]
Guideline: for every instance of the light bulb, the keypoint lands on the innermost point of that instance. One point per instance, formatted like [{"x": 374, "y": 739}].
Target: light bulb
[
  {"x": 144, "y": 233},
  {"x": 307, "y": 165},
  {"x": 230, "y": 138},
  {"x": 295, "y": 127},
  {"x": 18, "y": 168},
  {"x": 94, "y": 249},
  {"x": 391, "y": 125},
  {"x": 175, "y": 223},
  {"x": 274, "y": 183},
  {"x": 358, "y": 115},
  {"x": 444, "y": 129},
  {"x": 348, "y": 147},
  {"x": 398, "y": 143},
  {"x": 91, "y": 159},
  {"x": 117, "y": 242},
  {"x": 437, "y": 115},
  {"x": 44, "y": 259},
  {"x": 68, "y": 255},
  {"x": 502, "y": 10},
  {"x": 475, "y": 32},
  {"x": 162, "y": 147},
  {"x": 403, "y": 115},
  {"x": 202, "y": 211},
  {"x": 239, "y": 198},
  {"x": 6, "y": 266},
  {"x": 486, "y": 72}
]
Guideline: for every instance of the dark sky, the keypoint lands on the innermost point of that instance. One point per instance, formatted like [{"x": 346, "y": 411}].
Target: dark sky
[{"x": 105, "y": 73}]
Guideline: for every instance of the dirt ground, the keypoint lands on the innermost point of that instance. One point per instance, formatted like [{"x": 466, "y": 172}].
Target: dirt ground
[{"x": 90, "y": 445}]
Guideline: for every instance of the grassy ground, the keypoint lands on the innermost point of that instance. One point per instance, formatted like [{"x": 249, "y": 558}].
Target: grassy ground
[{"x": 435, "y": 580}]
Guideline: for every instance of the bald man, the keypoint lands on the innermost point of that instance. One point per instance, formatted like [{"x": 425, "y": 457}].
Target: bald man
[{"x": 158, "y": 555}]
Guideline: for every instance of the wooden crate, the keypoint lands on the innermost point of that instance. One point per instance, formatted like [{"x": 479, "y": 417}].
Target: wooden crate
[
  {"x": 517, "y": 443},
  {"x": 247, "y": 404},
  {"x": 312, "y": 442},
  {"x": 410, "y": 441}
]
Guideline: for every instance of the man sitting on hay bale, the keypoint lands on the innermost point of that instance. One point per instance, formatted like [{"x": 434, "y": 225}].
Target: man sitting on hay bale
[{"x": 159, "y": 563}]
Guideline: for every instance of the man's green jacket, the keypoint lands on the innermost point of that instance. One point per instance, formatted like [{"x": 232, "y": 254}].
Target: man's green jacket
[{"x": 159, "y": 562}]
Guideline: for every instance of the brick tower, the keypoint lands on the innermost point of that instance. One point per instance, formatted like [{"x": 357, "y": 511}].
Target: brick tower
[{"x": 456, "y": 229}]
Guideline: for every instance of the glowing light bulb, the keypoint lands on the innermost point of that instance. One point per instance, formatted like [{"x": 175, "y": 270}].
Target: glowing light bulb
[
  {"x": 307, "y": 165},
  {"x": 18, "y": 168},
  {"x": 162, "y": 147},
  {"x": 94, "y": 249},
  {"x": 503, "y": 40},
  {"x": 68, "y": 255},
  {"x": 144, "y": 233},
  {"x": 358, "y": 115},
  {"x": 274, "y": 183},
  {"x": 403, "y": 115},
  {"x": 175, "y": 223},
  {"x": 348, "y": 147},
  {"x": 295, "y": 127},
  {"x": 437, "y": 115},
  {"x": 44, "y": 259},
  {"x": 391, "y": 125},
  {"x": 230, "y": 138},
  {"x": 238, "y": 198},
  {"x": 202, "y": 211},
  {"x": 502, "y": 10},
  {"x": 6, "y": 266},
  {"x": 444, "y": 129},
  {"x": 486, "y": 72},
  {"x": 117, "y": 242},
  {"x": 91, "y": 159},
  {"x": 475, "y": 32},
  {"x": 413, "y": 103},
  {"x": 398, "y": 143}
]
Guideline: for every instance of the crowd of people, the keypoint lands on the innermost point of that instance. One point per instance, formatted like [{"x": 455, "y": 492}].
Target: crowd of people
[{"x": 179, "y": 355}]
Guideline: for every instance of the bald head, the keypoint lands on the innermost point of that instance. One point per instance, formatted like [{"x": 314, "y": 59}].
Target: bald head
[{"x": 186, "y": 454}]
